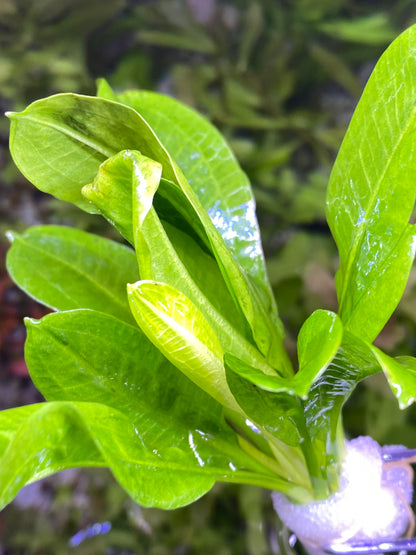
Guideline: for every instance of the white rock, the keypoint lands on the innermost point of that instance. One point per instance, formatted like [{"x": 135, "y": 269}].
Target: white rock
[{"x": 370, "y": 504}]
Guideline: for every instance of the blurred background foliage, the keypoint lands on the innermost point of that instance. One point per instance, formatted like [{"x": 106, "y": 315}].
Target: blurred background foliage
[{"x": 280, "y": 78}]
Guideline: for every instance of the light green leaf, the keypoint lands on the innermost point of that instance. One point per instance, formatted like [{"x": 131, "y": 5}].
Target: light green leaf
[
  {"x": 116, "y": 365},
  {"x": 59, "y": 435},
  {"x": 55, "y": 135},
  {"x": 371, "y": 194},
  {"x": 59, "y": 142},
  {"x": 401, "y": 375},
  {"x": 215, "y": 184},
  {"x": 65, "y": 268},
  {"x": 10, "y": 421},
  {"x": 46, "y": 439},
  {"x": 175, "y": 425},
  {"x": 112, "y": 189},
  {"x": 211, "y": 169},
  {"x": 181, "y": 332},
  {"x": 353, "y": 362},
  {"x": 124, "y": 190},
  {"x": 372, "y": 29},
  {"x": 318, "y": 342},
  {"x": 279, "y": 417},
  {"x": 64, "y": 435}
]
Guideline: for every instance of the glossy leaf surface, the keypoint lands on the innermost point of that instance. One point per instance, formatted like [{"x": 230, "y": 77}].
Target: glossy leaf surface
[
  {"x": 176, "y": 425},
  {"x": 53, "y": 134},
  {"x": 211, "y": 169},
  {"x": 401, "y": 374},
  {"x": 318, "y": 342},
  {"x": 65, "y": 435},
  {"x": 124, "y": 191},
  {"x": 59, "y": 142},
  {"x": 112, "y": 189},
  {"x": 176, "y": 327},
  {"x": 372, "y": 192},
  {"x": 65, "y": 268},
  {"x": 205, "y": 158},
  {"x": 353, "y": 362}
]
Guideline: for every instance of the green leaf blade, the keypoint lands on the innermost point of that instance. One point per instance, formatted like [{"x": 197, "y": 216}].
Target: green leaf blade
[
  {"x": 371, "y": 194},
  {"x": 176, "y": 326},
  {"x": 401, "y": 375},
  {"x": 65, "y": 268},
  {"x": 226, "y": 210},
  {"x": 318, "y": 342},
  {"x": 205, "y": 158}
]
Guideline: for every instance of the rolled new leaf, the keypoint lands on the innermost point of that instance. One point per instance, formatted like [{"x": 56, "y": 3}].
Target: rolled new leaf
[
  {"x": 175, "y": 326},
  {"x": 204, "y": 157},
  {"x": 124, "y": 191},
  {"x": 112, "y": 189}
]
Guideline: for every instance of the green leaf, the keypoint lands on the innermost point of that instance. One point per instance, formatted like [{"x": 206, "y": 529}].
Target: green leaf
[
  {"x": 114, "y": 364},
  {"x": 280, "y": 418},
  {"x": 371, "y": 194},
  {"x": 176, "y": 425},
  {"x": 318, "y": 342},
  {"x": 65, "y": 268},
  {"x": 112, "y": 189},
  {"x": 64, "y": 435},
  {"x": 401, "y": 375},
  {"x": 205, "y": 159},
  {"x": 46, "y": 438},
  {"x": 10, "y": 422},
  {"x": 211, "y": 169},
  {"x": 353, "y": 362},
  {"x": 181, "y": 332},
  {"x": 60, "y": 435},
  {"x": 59, "y": 142},
  {"x": 371, "y": 29},
  {"x": 124, "y": 190},
  {"x": 88, "y": 130}
]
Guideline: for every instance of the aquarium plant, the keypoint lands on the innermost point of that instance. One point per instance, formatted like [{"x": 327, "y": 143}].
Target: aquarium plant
[{"x": 164, "y": 356}]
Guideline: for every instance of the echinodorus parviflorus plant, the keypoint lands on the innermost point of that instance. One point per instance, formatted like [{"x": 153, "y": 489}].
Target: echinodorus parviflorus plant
[{"x": 164, "y": 359}]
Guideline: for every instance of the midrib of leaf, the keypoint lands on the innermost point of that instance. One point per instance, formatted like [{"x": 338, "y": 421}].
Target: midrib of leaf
[
  {"x": 65, "y": 130},
  {"x": 189, "y": 337},
  {"x": 359, "y": 237},
  {"x": 97, "y": 284}
]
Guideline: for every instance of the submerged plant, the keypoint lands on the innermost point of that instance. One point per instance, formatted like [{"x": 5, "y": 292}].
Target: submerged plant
[{"x": 165, "y": 360}]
